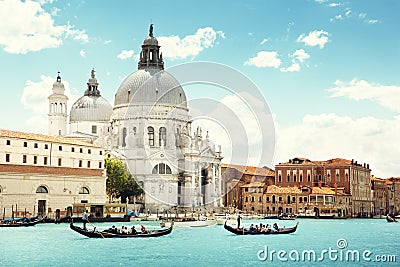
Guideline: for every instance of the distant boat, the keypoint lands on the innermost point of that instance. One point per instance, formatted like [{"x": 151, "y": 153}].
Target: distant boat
[
  {"x": 20, "y": 222},
  {"x": 245, "y": 231},
  {"x": 391, "y": 219},
  {"x": 190, "y": 222},
  {"x": 221, "y": 218},
  {"x": 108, "y": 212},
  {"x": 105, "y": 234},
  {"x": 284, "y": 216}
]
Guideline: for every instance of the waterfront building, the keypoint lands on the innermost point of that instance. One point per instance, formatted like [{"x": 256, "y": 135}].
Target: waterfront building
[
  {"x": 236, "y": 176},
  {"x": 353, "y": 177},
  {"x": 46, "y": 174},
  {"x": 149, "y": 128}
]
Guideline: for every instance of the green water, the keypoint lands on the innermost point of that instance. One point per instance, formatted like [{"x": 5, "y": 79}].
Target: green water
[{"x": 57, "y": 245}]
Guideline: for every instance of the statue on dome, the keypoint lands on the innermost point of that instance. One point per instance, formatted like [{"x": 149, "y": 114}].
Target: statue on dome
[{"x": 151, "y": 30}]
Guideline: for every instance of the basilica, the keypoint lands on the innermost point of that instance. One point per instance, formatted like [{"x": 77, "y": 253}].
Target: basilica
[{"x": 148, "y": 128}]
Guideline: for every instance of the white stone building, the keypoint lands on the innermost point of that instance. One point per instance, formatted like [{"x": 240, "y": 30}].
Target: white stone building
[
  {"x": 45, "y": 174},
  {"x": 149, "y": 128}
]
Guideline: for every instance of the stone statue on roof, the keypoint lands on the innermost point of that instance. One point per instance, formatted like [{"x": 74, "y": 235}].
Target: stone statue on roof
[{"x": 151, "y": 30}]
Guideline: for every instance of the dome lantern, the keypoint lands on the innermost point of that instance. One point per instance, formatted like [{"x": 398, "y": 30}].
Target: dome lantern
[{"x": 150, "y": 56}]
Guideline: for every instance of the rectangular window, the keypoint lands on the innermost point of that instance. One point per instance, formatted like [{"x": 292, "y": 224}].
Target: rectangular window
[
  {"x": 80, "y": 150},
  {"x": 45, "y": 161},
  {"x": 94, "y": 129},
  {"x": 88, "y": 164},
  {"x": 23, "y": 158},
  {"x": 8, "y": 142},
  {"x": 35, "y": 145},
  {"x": 7, "y": 157},
  {"x": 25, "y": 144},
  {"x": 101, "y": 152},
  {"x": 72, "y": 149},
  {"x": 46, "y": 146},
  {"x": 100, "y": 165},
  {"x": 34, "y": 159},
  {"x": 59, "y": 162},
  {"x": 89, "y": 151},
  {"x": 80, "y": 163},
  {"x": 60, "y": 148}
]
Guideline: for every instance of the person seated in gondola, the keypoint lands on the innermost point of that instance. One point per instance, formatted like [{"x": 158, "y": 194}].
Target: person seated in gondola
[
  {"x": 143, "y": 229},
  {"x": 133, "y": 230},
  {"x": 252, "y": 229},
  {"x": 124, "y": 230},
  {"x": 275, "y": 228}
]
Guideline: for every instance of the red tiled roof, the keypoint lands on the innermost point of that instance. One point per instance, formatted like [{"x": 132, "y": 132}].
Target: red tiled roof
[
  {"x": 250, "y": 170},
  {"x": 42, "y": 137}
]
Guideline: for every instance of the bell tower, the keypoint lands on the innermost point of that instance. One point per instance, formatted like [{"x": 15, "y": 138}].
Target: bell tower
[
  {"x": 150, "y": 57},
  {"x": 58, "y": 109}
]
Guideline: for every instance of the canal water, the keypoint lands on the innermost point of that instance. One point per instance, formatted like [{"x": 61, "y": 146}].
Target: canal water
[{"x": 316, "y": 243}]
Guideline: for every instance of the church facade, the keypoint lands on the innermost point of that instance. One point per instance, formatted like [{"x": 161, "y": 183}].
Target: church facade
[{"x": 149, "y": 128}]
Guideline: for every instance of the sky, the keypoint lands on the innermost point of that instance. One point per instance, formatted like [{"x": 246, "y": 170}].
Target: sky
[{"x": 328, "y": 71}]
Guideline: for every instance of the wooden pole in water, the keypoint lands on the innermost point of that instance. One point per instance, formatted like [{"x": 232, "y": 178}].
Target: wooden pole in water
[
  {"x": 12, "y": 212},
  {"x": 16, "y": 209},
  {"x": 4, "y": 213}
]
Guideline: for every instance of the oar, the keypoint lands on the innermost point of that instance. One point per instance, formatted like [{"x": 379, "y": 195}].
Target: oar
[{"x": 95, "y": 227}]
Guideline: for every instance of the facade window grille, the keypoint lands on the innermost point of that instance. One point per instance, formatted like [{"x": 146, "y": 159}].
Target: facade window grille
[{"x": 151, "y": 135}]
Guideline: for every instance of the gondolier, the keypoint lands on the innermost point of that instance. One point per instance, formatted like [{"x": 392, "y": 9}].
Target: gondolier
[{"x": 85, "y": 218}]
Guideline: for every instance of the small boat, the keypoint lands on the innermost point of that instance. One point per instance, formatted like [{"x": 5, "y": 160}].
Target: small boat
[
  {"x": 221, "y": 218},
  {"x": 20, "y": 222},
  {"x": 190, "y": 222},
  {"x": 245, "y": 231},
  {"x": 105, "y": 234},
  {"x": 285, "y": 216},
  {"x": 391, "y": 219}
]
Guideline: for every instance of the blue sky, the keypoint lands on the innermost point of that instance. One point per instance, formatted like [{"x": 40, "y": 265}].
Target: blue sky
[{"x": 329, "y": 70}]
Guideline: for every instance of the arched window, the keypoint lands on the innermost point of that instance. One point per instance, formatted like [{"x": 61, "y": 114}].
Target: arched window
[
  {"x": 124, "y": 133},
  {"x": 161, "y": 168},
  {"x": 151, "y": 135},
  {"x": 1, "y": 190},
  {"x": 84, "y": 190},
  {"x": 163, "y": 136},
  {"x": 42, "y": 189}
]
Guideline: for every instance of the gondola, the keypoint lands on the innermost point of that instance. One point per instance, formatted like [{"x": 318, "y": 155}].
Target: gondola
[
  {"x": 104, "y": 234},
  {"x": 244, "y": 231},
  {"x": 391, "y": 219},
  {"x": 21, "y": 223}
]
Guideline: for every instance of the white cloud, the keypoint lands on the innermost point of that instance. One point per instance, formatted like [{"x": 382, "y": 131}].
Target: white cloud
[
  {"x": 386, "y": 95},
  {"x": 174, "y": 47},
  {"x": 264, "y": 41},
  {"x": 326, "y": 136},
  {"x": 372, "y": 21},
  {"x": 26, "y": 26},
  {"x": 337, "y": 17},
  {"x": 82, "y": 53},
  {"x": 107, "y": 41},
  {"x": 314, "y": 38},
  {"x": 299, "y": 56},
  {"x": 34, "y": 99},
  {"x": 265, "y": 59},
  {"x": 125, "y": 54},
  {"x": 292, "y": 68},
  {"x": 334, "y": 4}
]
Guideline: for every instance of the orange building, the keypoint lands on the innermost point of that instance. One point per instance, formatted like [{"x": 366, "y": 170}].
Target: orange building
[{"x": 236, "y": 176}]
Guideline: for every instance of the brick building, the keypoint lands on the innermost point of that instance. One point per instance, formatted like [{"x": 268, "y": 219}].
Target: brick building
[
  {"x": 236, "y": 176},
  {"x": 352, "y": 177}
]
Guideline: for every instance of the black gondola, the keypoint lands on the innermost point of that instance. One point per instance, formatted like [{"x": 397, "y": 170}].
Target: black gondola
[
  {"x": 244, "y": 231},
  {"x": 20, "y": 223},
  {"x": 391, "y": 219},
  {"x": 104, "y": 234}
]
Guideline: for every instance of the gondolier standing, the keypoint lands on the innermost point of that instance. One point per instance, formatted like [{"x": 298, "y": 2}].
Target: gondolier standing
[
  {"x": 85, "y": 217},
  {"x": 238, "y": 220}
]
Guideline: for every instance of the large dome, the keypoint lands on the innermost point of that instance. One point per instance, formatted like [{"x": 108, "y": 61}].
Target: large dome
[
  {"x": 150, "y": 86},
  {"x": 90, "y": 108}
]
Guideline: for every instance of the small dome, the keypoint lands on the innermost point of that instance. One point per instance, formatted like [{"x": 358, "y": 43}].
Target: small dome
[
  {"x": 150, "y": 40},
  {"x": 150, "y": 86},
  {"x": 90, "y": 108}
]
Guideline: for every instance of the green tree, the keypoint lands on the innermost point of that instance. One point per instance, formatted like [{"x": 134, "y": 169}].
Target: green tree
[{"x": 120, "y": 183}]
